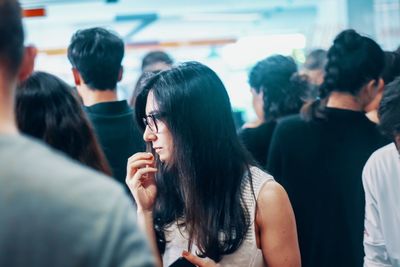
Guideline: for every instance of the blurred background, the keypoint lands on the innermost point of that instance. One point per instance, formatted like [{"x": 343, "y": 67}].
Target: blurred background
[{"x": 230, "y": 36}]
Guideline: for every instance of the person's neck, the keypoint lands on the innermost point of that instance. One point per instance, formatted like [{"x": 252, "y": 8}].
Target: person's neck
[
  {"x": 341, "y": 100},
  {"x": 91, "y": 97},
  {"x": 7, "y": 113}
]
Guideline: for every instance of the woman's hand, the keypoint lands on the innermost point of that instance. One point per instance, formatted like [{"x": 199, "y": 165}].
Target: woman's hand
[
  {"x": 140, "y": 180},
  {"x": 200, "y": 262}
]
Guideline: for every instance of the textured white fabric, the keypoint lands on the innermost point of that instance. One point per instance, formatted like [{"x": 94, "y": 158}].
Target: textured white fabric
[
  {"x": 381, "y": 179},
  {"x": 247, "y": 255}
]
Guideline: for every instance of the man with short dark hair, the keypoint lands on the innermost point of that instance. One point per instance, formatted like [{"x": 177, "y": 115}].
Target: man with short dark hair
[
  {"x": 53, "y": 211},
  {"x": 96, "y": 56},
  {"x": 381, "y": 180},
  {"x": 156, "y": 61}
]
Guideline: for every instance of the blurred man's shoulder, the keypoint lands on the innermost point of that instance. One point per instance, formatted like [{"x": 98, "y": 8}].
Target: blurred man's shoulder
[
  {"x": 28, "y": 164},
  {"x": 63, "y": 212}
]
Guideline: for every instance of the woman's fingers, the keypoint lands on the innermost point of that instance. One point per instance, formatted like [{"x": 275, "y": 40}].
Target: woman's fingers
[
  {"x": 139, "y": 156},
  {"x": 138, "y": 164},
  {"x": 140, "y": 175},
  {"x": 141, "y": 178},
  {"x": 138, "y": 160}
]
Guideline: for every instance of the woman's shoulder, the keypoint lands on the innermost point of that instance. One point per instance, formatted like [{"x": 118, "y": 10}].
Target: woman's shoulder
[
  {"x": 258, "y": 178},
  {"x": 273, "y": 205},
  {"x": 265, "y": 186},
  {"x": 259, "y": 174}
]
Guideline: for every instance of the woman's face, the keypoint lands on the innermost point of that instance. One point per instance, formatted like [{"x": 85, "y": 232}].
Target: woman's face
[{"x": 156, "y": 131}]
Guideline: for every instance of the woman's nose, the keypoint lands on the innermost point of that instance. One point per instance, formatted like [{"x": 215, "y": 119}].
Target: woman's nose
[{"x": 148, "y": 135}]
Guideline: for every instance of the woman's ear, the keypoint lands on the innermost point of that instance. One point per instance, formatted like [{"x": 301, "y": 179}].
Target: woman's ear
[
  {"x": 377, "y": 91},
  {"x": 371, "y": 90},
  {"x": 380, "y": 85},
  {"x": 28, "y": 63}
]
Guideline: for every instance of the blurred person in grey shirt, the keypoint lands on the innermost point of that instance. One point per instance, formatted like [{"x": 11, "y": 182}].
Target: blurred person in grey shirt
[{"x": 53, "y": 211}]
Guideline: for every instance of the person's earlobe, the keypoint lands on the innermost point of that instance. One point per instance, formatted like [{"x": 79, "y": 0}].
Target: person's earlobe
[
  {"x": 77, "y": 76},
  {"x": 28, "y": 63}
]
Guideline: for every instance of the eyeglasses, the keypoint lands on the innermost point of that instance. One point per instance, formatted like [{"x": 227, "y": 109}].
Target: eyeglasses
[{"x": 151, "y": 121}]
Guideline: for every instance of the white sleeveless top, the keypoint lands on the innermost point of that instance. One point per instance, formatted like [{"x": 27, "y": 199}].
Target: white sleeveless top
[{"x": 247, "y": 255}]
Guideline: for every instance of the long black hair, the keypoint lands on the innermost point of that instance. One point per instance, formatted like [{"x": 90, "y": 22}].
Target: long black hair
[
  {"x": 353, "y": 61},
  {"x": 141, "y": 81},
  {"x": 203, "y": 185},
  {"x": 47, "y": 108},
  {"x": 284, "y": 91}
]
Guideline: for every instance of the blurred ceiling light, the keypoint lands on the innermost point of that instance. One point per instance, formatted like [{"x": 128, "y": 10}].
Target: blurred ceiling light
[
  {"x": 223, "y": 17},
  {"x": 26, "y": 3},
  {"x": 250, "y": 49}
]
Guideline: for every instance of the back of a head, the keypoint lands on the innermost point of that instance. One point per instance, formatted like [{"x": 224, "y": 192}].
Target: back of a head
[
  {"x": 353, "y": 61},
  {"x": 97, "y": 55},
  {"x": 47, "y": 108},
  {"x": 392, "y": 66},
  {"x": 316, "y": 60},
  {"x": 389, "y": 109},
  {"x": 283, "y": 91},
  {"x": 156, "y": 61},
  {"x": 314, "y": 69},
  {"x": 11, "y": 37}
]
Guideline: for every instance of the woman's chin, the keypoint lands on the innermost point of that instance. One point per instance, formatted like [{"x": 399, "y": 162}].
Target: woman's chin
[{"x": 163, "y": 159}]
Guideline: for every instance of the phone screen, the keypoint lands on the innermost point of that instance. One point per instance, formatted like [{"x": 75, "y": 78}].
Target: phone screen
[{"x": 182, "y": 262}]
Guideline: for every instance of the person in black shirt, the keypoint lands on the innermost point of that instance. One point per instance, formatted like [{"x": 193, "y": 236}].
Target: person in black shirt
[
  {"x": 318, "y": 157},
  {"x": 277, "y": 91},
  {"x": 96, "y": 56}
]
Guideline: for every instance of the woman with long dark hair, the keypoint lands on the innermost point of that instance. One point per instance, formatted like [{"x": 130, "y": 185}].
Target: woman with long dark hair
[
  {"x": 319, "y": 156},
  {"x": 141, "y": 81},
  {"x": 198, "y": 190},
  {"x": 47, "y": 108},
  {"x": 277, "y": 91}
]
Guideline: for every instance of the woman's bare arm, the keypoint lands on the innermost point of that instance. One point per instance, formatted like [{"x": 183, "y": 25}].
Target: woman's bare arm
[{"x": 277, "y": 227}]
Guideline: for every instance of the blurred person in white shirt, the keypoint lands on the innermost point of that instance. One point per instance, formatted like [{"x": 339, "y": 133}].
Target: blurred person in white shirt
[{"x": 381, "y": 180}]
